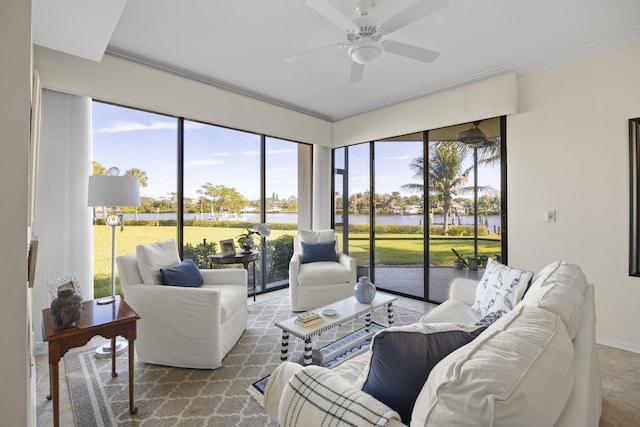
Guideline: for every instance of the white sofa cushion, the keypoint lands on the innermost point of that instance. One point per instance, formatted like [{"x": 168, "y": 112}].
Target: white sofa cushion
[
  {"x": 451, "y": 311},
  {"x": 500, "y": 289},
  {"x": 317, "y": 236},
  {"x": 561, "y": 299},
  {"x": 518, "y": 372},
  {"x": 154, "y": 256},
  {"x": 316, "y": 273},
  {"x": 564, "y": 272}
]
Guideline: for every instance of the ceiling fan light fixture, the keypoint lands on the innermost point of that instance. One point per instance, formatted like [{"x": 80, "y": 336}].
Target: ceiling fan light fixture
[
  {"x": 473, "y": 137},
  {"x": 365, "y": 52}
]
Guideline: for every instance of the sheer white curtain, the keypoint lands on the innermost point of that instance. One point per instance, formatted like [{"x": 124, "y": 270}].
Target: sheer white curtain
[{"x": 62, "y": 222}]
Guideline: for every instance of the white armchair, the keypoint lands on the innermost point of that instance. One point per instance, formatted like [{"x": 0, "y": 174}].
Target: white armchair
[
  {"x": 188, "y": 327},
  {"x": 314, "y": 284}
]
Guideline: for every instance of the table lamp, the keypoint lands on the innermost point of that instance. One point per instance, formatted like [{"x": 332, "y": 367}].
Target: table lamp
[{"x": 110, "y": 192}]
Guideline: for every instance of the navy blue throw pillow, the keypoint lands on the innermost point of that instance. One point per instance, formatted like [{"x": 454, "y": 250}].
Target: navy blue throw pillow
[
  {"x": 185, "y": 274},
  {"x": 323, "y": 251},
  {"x": 402, "y": 358}
]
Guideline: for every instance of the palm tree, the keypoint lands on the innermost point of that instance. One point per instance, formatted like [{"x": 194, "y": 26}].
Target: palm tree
[
  {"x": 446, "y": 177},
  {"x": 142, "y": 181},
  {"x": 97, "y": 169}
]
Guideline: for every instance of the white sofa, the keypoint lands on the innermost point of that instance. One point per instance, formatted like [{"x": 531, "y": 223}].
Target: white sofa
[
  {"x": 536, "y": 366},
  {"x": 186, "y": 327}
]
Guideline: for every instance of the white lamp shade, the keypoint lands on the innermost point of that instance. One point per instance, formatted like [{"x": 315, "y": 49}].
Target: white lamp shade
[{"x": 106, "y": 190}]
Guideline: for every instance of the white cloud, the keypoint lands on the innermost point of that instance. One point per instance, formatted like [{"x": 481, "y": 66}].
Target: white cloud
[
  {"x": 284, "y": 151},
  {"x": 397, "y": 158},
  {"x": 128, "y": 126},
  {"x": 202, "y": 162}
]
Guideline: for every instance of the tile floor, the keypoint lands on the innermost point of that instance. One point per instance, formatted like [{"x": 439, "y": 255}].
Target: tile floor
[{"x": 620, "y": 372}]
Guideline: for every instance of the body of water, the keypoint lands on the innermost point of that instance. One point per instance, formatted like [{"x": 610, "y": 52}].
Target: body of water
[{"x": 492, "y": 220}]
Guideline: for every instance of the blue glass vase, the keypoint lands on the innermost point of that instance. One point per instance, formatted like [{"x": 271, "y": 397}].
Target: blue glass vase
[{"x": 364, "y": 291}]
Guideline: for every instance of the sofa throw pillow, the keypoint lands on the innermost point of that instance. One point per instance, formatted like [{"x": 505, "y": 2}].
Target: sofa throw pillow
[
  {"x": 317, "y": 396},
  {"x": 185, "y": 274},
  {"x": 315, "y": 236},
  {"x": 488, "y": 319},
  {"x": 154, "y": 256},
  {"x": 500, "y": 289},
  {"x": 402, "y": 358},
  {"x": 323, "y": 251}
]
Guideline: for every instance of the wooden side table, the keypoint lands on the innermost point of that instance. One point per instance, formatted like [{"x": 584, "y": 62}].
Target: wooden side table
[
  {"x": 239, "y": 258},
  {"x": 108, "y": 320}
]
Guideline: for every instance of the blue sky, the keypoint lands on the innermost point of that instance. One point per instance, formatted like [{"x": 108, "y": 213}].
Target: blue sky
[{"x": 128, "y": 138}]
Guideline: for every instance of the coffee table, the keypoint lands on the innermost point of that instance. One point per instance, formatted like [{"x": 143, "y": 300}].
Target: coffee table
[{"x": 347, "y": 310}]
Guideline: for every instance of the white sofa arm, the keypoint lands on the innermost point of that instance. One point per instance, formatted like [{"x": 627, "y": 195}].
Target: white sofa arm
[
  {"x": 231, "y": 276},
  {"x": 275, "y": 387},
  {"x": 463, "y": 290},
  {"x": 350, "y": 264},
  {"x": 294, "y": 268}
]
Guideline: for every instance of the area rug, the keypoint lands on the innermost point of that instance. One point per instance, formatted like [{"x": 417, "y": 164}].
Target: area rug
[{"x": 168, "y": 396}]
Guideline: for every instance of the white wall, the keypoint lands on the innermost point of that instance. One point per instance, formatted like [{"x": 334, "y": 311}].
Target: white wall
[
  {"x": 15, "y": 87},
  {"x": 568, "y": 151},
  {"x": 482, "y": 100},
  {"x": 125, "y": 83}
]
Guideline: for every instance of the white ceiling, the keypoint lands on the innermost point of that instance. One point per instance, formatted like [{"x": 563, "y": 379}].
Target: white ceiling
[{"x": 241, "y": 44}]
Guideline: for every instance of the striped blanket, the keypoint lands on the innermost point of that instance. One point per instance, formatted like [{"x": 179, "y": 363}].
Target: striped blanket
[{"x": 319, "y": 397}]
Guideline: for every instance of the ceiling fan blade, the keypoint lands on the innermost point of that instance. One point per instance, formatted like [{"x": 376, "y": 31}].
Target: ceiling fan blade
[
  {"x": 356, "y": 72},
  {"x": 412, "y": 13},
  {"x": 410, "y": 51},
  {"x": 329, "y": 11},
  {"x": 303, "y": 55}
]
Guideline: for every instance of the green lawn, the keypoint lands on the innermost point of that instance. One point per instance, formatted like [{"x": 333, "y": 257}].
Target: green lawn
[
  {"x": 132, "y": 236},
  {"x": 391, "y": 249}
]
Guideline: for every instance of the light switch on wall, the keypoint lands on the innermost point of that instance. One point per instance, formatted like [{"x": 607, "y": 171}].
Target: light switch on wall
[{"x": 549, "y": 216}]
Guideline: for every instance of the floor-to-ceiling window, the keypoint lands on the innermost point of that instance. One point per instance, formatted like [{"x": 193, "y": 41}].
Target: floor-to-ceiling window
[
  {"x": 438, "y": 202},
  {"x": 141, "y": 144},
  {"x": 398, "y": 207},
  {"x": 223, "y": 181},
  {"x": 352, "y": 187},
  {"x": 284, "y": 165}
]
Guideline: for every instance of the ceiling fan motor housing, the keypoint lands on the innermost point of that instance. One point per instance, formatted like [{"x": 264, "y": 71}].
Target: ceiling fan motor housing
[{"x": 365, "y": 52}]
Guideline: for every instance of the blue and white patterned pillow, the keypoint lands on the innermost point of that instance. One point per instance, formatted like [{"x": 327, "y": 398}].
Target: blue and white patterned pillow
[{"x": 500, "y": 288}]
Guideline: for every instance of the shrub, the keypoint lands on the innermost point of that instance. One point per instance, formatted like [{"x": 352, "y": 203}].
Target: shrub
[
  {"x": 200, "y": 252},
  {"x": 281, "y": 250}
]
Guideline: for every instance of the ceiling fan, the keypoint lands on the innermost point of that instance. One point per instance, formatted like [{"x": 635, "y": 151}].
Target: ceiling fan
[{"x": 364, "y": 34}]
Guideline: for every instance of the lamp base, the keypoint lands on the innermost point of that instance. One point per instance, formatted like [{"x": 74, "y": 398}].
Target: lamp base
[
  {"x": 105, "y": 349},
  {"x": 106, "y": 300}
]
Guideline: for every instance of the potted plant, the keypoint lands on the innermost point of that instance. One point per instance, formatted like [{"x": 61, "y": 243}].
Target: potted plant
[
  {"x": 459, "y": 263},
  {"x": 482, "y": 261},
  {"x": 245, "y": 240}
]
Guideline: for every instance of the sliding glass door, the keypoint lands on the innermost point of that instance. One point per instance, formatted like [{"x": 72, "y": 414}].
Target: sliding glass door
[
  {"x": 398, "y": 206},
  {"x": 438, "y": 202}
]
